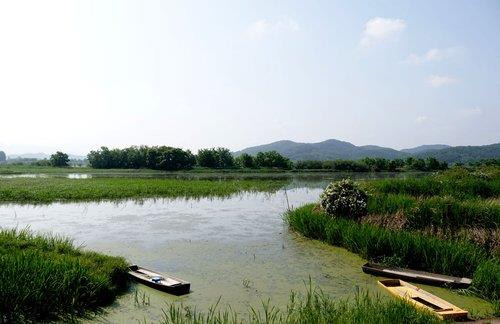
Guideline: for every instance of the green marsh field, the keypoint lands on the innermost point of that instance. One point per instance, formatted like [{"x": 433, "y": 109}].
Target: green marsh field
[{"x": 46, "y": 190}]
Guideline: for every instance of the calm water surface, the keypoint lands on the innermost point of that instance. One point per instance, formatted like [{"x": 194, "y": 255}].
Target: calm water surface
[{"x": 216, "y": 244}]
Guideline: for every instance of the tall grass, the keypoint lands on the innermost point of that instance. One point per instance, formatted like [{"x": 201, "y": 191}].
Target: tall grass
[
  {"x": 314, "y": 307},
  {"x": 459, "y": 183},
  {"x": 47, "y": 278},
  {"x": 46, "y": 190},
  {"x": 441, "y": 212},
  {"x": 402, "y": 248}
]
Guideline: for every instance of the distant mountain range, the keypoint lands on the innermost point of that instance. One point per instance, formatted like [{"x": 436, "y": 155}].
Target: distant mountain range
[
  {"x": 41, "y": 156},
  {"x": 464, "y": 154},
  {"x": 38, "y": 156},
  {"x": 425, "y": 148},
  {"x": 334, "y": 149}
]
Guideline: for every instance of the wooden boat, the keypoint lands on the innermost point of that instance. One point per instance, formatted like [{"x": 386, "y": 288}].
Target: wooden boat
[
  {"x": 422, "y": 299},
  {"x": 416, "y": 276},
  {"x": 159, "y": 281}
]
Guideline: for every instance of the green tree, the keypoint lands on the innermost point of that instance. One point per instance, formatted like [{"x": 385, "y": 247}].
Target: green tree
[
  {"x": 432, "y": 164},
  {"x": 134, "y": 157},
  {"x": 59, "y": 159},
  {"x": 171, "y": 158},
  {"x": 272, "y": 159},
  {"x": 419, "y": 165},
  {"x": 395, "y": 165},
  {"x": 245, "y": 160},
  {"x": 207, "y": 158},
  {"x": 225, "y": 158},
  {"x": 309, "y": 165},
  {"x": 220, "y": 158},
  {"x": 409, "y": 162},
  {"x": 3, "y": 157}
]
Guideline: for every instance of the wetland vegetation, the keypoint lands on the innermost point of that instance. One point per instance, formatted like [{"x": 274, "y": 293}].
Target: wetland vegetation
[
  {"x": 47, "y": 190},
  {"x": 314, "y": 307},
  {"x": 445, "y": 223},
  {"x": 48, "y": 278}
]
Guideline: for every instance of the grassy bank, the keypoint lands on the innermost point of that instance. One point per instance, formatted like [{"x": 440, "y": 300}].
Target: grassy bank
[
  {"x": 402, "y": 248},
  {"x": 315, "y": 307},
  {"x": 460, "y": 203},
  {"x": 46, "y": 190},
  {"x": 47, "y": 278}
]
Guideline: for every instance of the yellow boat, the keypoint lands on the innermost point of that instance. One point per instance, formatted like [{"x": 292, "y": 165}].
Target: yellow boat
[{"x": 422, "y": 299}]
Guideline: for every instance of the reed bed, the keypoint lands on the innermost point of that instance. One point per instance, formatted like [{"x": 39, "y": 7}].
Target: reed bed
[
  {"x": 47, "y": 190},
  {"x": 314, "y": 307},
  {"x": 46, "y": 278}
]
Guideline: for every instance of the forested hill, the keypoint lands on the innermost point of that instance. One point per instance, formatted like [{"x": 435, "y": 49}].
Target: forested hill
[
  {"x": 334, "y": 149},
  {"x": 425, "y": 148},
  {"x": 464, "y": 154},
  {"x": 327, "y": 150}
]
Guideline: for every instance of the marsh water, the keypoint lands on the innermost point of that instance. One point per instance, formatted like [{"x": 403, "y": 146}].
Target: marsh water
[{"x": 237, "y": 249}]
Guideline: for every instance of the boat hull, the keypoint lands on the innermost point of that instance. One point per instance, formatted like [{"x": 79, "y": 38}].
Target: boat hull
[
  {"x": 416, "y": 276},
  {"x": 181, "y": 288},
  {"x": 422, "y": 299}
]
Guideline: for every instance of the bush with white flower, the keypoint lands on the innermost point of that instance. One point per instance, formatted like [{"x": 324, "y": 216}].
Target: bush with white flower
[{"x": 344, "y": 198}]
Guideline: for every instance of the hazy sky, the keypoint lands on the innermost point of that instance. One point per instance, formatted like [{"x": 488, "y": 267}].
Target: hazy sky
[{"x": 75, "y": 75}]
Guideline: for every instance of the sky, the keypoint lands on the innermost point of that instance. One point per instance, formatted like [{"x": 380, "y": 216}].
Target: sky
[{"x": 77, "y": 75}]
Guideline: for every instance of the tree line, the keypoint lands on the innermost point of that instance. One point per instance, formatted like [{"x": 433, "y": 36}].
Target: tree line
[
  {"x": 172, "y": 159},
  {"x": 375, "y": 165}
]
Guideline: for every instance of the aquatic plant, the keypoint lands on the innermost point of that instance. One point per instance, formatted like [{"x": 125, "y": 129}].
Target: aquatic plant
[
  {"x": 314, "y": 307},
  {"x": 344, "y": 198},
  {"x": 47, "y": 278}
]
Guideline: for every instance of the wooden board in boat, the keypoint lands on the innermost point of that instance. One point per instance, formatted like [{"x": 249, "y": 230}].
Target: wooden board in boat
[{"x": 423, "y": 299}]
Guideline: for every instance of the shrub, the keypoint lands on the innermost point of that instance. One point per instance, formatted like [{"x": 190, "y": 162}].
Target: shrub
[{"x": 344, "y": 198}]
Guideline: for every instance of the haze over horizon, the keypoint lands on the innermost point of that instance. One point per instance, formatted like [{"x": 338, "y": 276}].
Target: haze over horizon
[{"x": 76, "y": 76}]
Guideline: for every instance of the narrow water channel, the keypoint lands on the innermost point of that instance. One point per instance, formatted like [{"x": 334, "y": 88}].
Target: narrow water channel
[{"x": 237, "y": 248}]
